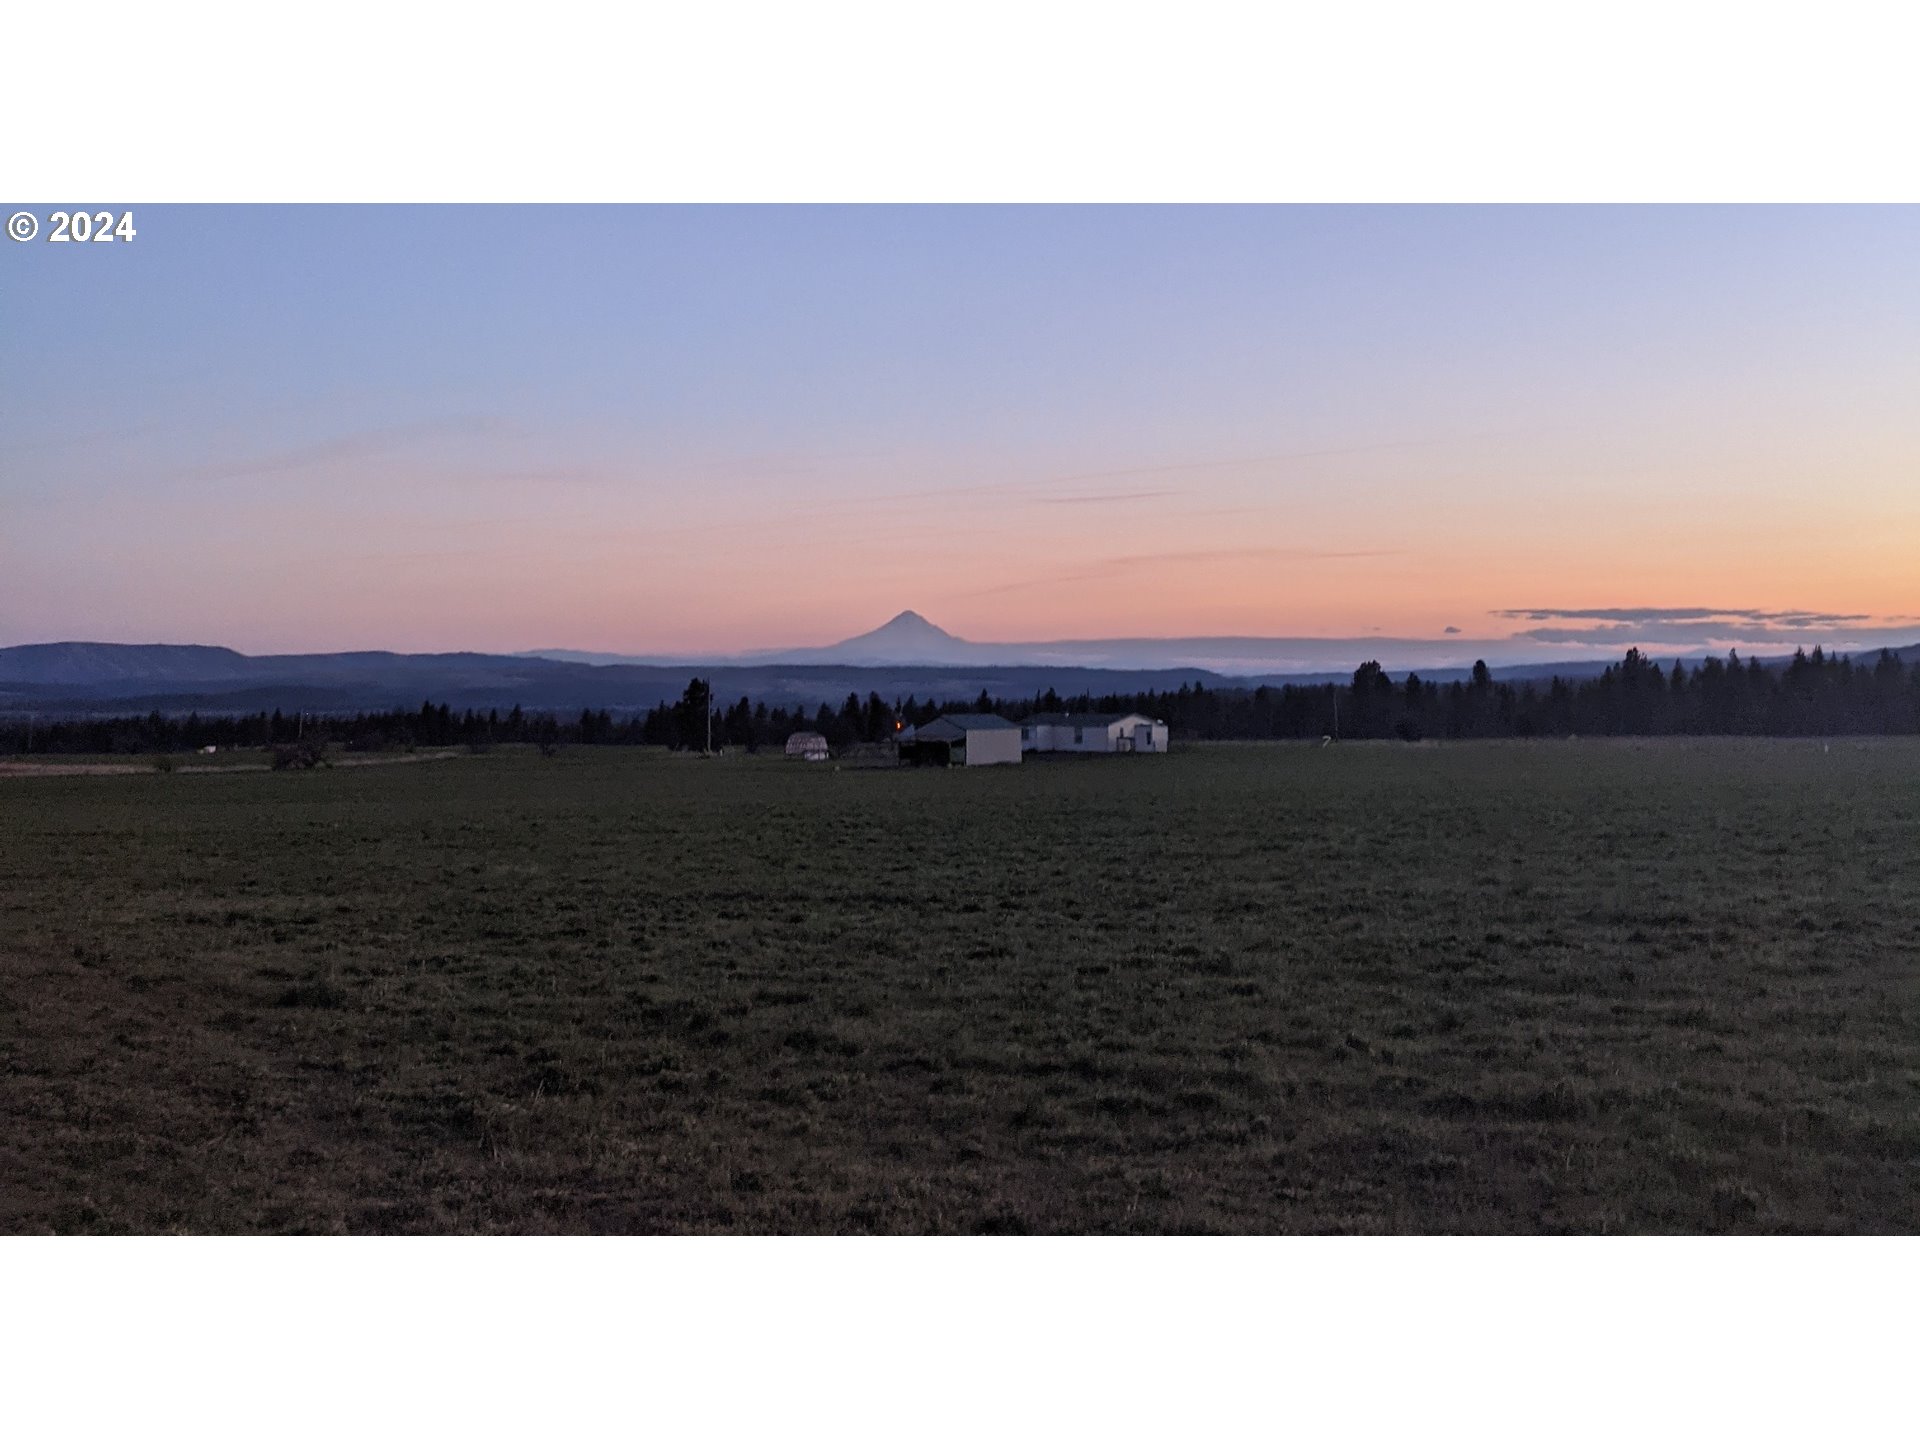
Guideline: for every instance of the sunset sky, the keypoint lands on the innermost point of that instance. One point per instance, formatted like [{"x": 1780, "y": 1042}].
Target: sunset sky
[{"x": 1526, "y": 432}]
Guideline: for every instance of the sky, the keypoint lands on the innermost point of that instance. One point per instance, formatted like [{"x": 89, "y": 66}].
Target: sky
[{"x": 1531, "y": 432}]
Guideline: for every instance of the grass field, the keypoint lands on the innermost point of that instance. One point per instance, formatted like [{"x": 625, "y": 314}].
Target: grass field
[{"x": 1547, "y": 986}]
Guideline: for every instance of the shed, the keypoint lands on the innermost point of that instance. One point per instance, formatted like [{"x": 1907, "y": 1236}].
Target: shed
[
  {"x": 806, "y": 745},
  {"x": 964, "y": 740}
]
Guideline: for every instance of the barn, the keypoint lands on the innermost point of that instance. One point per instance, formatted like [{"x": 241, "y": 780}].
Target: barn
[
  {"x": 806, "y": 745},
  {"x": 964, "y": 740},
  {"x": 1095, "y": 734}
]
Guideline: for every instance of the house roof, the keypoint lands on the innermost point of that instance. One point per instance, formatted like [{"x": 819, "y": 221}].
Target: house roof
[
  {"x": 963, "y": 723},
  {"x": 1095, "y": 718}
]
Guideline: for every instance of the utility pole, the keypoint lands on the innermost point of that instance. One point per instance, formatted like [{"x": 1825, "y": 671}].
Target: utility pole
[{"x": 709, "y": 703}]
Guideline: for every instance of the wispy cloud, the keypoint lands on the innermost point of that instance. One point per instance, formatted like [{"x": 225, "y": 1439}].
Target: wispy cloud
[
  {"x": 1122, "y": 566},
  {"x": 1707, "y": 626},
  {"x": 86, "y": 439},
  {"x": 1279, "y": 457},
  {"x": 1801, "y": 619},
  {"x": 1120, "y": 497},
  {"x": 1040, "y": 487},
  {"x": 358, "y": 445},
  {"x": 545, "y": 476}
]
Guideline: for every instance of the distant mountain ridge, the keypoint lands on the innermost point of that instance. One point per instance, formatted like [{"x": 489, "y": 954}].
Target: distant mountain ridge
[
  {"x": 909, "y": 655},
  {"x": 84, "y": 663},
  {"x": 907, "y": 639},
  {"x": 911, "y": 639},
  {"x": 89, "y": 677}
]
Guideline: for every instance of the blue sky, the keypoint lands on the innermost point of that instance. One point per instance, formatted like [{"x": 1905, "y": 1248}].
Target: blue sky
[{"x": 653, "y": 429}]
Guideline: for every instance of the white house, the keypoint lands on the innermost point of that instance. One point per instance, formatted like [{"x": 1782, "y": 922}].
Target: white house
[
  {"x": 966, "y": 739},
  {"x": 1094, "y": 734}
]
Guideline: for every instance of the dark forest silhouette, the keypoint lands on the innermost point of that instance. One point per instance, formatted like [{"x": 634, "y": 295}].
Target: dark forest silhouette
[{"x": 1813, "y": 694}]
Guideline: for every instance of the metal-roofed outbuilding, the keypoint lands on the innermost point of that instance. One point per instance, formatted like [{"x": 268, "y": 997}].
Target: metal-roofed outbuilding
[{"x": 966, "y": 739}]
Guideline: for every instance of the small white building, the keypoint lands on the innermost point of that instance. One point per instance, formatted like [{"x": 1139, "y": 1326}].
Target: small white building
[
  {"x": 965, "y": 740},
  {"x": 1094, "y": 734},
  {"x": 806, "y": 745}
]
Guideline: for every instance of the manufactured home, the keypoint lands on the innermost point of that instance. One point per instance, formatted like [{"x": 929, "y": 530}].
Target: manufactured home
[
  {"x": 964, "y": 740},
  {"x": 1094, "y": 734}
]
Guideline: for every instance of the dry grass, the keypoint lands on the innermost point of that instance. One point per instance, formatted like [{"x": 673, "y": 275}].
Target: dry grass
[{"x": 1560, "y": 986}]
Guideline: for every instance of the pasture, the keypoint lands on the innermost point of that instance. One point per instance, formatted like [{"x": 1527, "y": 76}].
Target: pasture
[{"x": 1512, "y": 986}]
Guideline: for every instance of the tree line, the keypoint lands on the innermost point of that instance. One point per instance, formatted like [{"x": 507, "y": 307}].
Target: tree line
[{"x": 1813, "y": 694}]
